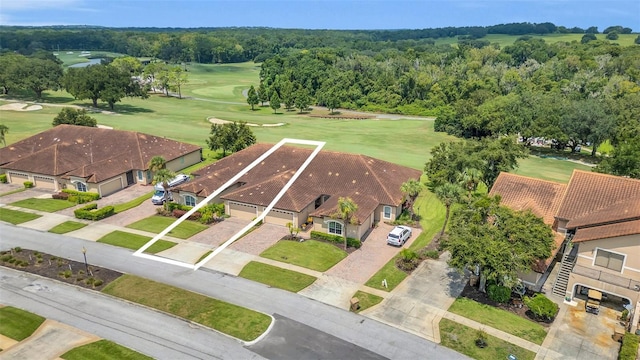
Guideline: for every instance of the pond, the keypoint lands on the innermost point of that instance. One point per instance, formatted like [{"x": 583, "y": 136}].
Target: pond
[{"x": 85, "y": 64}]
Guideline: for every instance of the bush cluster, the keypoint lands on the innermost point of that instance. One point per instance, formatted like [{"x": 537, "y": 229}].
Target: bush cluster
[
  {"x": 60, "y": 196},
  {"x": 351, "y": 242},
  {"x": 178, "y": 214},
  {"x": 81, "y": 197},
  {"x": 28, "y": 184},
  {"x": 541, "y": 307},
  {"x": 629, "y": 347},
  {"x": 499, "y": 293},
  {"x": 432, "y": 254},
  {"x": 90, "y": 212},
  {"x": 206, "y": 215},
  {"x": 3, "y": 178}
]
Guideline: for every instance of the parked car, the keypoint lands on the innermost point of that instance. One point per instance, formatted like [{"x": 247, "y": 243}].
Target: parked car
[
  {"x": 399, "y": 235},
  {"x": 158, "y": 196}
]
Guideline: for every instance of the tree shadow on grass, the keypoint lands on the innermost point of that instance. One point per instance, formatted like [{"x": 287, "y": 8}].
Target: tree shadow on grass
[{"x": 130, "y": 109}]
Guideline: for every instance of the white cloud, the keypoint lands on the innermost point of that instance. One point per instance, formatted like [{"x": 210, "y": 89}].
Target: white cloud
[{"x": 17, "y": 5}]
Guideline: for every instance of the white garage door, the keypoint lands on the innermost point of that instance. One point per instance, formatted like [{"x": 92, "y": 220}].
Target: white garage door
[
  {"x": 110, "y": 186},
  {"x": 242, "y": 211},
  {"x": 44, "y": 182},
  {"x": 279, "y": 217},
  {"x": 16, "y": 178}
]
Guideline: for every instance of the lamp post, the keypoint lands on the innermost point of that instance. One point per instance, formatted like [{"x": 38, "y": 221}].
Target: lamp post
[{"x": 84, "y": 253}]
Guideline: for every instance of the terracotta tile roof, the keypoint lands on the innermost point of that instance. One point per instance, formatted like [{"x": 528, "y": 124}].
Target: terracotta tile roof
[
  {"x": 607, "y": 231},
  {"x": 89, "y": 152},
  {"x": 330, "y": 173},
  {"x": 542, "y": 264},
  {"x": 628, "y": 209},
  {"x": 590, "y": 193},
  {"x": 519, "y": 193}
]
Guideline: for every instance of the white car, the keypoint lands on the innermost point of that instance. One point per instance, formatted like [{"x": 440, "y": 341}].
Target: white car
[
  {"x": 399, "y": 235},
  {"x": 158, "y": 195}
]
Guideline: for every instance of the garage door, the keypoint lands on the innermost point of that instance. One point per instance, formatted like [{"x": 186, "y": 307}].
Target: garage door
[
  {"x": 44, "y": 182},
  {"x": 279, "y": 217},
  {"x": 110, "y": 186},
  {"x": 242, "y": 211},
  {"x": 16, "y": 178}
]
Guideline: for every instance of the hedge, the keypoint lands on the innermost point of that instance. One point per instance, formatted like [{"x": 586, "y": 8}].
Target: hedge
[
  {"x": 60, "y": 196},
  {"x": 351, "y": 242},
  {"x": 81, "y": 197},
  {"x": 3, "y": 178},
  {"x": 541, "y": 307},
  {"x": 28, "y": 184},
  {"x": 629, "y": 347},
  {"x": 90, "y": 212},
  {"x": 498, "y": 293}
]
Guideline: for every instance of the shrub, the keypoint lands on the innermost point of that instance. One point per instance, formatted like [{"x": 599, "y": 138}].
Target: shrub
[
  {"x": 3, "y": 178},
  {"x": 351, "y": 242},
  {"x": 541, "y": 307},
  {"x": 60, "y": 196},
  {"x": 481, "y": 339},
  {"x": 498, "y": 293},
  {"x": 624, "y": 315},
  {"x": 408, "y": 260},
  {"x": 629, "y": 347},
  {"x": 432, "y": 254},
  {"x": 28, "y": 184},
  {"x": 354, "y": 243},
  {"x": 17, "y": 249},
  {"x": 81, "y": 197},
  {"x": 178, "y": 213},
  {"x": 90, "y": 212}
]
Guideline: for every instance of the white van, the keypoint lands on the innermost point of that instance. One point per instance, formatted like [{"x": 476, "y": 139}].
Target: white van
[{"x": 158, "y": 195}]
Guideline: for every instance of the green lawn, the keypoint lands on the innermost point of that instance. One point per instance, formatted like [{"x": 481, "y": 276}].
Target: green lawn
[
  {"x": 462, "y": 338},
  {"x": 16, "y": 217},
  {"x": 548, "y": 168},
  {"x": 155, "y": 224},
  {"x": 367, "y": 300},
  {"x": 504, "y": 40},
  {"x": 13, "y": 192},
  {"x": 499, "y": 319},
  {"x": 276, "y": 277},
  {"x": 227, "y": 318},
  {"x": 310, "y": 254},
  {"x": 48, "y": 205},
  {"x": 135, "y": 241},
  {"x": 103, "y": 350},
  {"x": 66, "y": 227},
  {"x": 118, "y": 208},
  {"x": 18, "y": 324}
]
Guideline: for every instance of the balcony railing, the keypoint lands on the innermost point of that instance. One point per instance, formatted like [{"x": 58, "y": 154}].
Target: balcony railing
[{"x": 607, "y": 277}]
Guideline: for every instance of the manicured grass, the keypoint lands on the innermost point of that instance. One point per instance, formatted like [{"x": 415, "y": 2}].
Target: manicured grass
[
  {"x": 135, "y": 241},
  {"x": 367, "y": 300},
  {"x": 13, "y": 192},
  {"x": 48, "y": 205},
  {"x": 310, "y": 254},
  {"x": 103, "y": 350},
  {"x": 118, "y": 208},
  {"x": 276, "y": 277},
  {"x": 204, "y": 256},
  {"x": 499, "y": 319},
  {"x": 66, "y": 227},
  {"x": 431, "y": 212},
  {"x": 16, "y": 217},
  {"x": 504, "y": 40},
  {"x": 155, "y": 224},
  {"x": 548, "y": 168},
  {"x": 227, "y": 318},
  {"x": 462, "y": 338},
  {"x": 18, "y": 324}
]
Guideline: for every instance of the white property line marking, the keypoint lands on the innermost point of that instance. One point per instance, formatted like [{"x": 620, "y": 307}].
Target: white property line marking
[{"x": 317, "y": 144}]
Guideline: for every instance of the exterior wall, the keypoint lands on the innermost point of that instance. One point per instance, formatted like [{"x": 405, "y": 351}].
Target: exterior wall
[
  {"x": 364, "y": 227},
  {"x": 322, "y": 225},
  {"x": 531, "y": 278},
  {"x": 302, "y": 216},
  {"x": 578, "y": 279},
  {"x": 38, "y": 180},
  {"x": 112, "y": 185},
  {"x": 379, "y": 214},
  {"x": 71, "y": 184},
  {"x": 182, "y": 162}
]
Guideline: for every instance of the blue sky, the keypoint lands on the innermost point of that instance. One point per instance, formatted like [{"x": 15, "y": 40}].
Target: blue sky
[{"x": 320, "y": 14}]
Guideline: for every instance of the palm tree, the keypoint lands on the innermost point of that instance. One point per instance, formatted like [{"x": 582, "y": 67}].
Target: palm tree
[
  {"x": 3, "y": 131},
  {"x": 411, "y": 189},
  {"x": 163, "y": 176},
  {"x": 346, "y": 209},
  {"x": 469, "y": 180},
  {"x": 449, "y": 194},
  {"x": 156, "y": 163}
]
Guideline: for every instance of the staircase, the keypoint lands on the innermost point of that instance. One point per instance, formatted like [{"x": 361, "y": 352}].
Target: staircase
[{"x": 568, "y": 261}]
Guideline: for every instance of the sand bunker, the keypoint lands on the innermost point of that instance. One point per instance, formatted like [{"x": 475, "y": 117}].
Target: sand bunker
[
  {"x": 214, "y": 120},
  {"x": 20, "y": 107},
  {"x": 104, "y": 126}
]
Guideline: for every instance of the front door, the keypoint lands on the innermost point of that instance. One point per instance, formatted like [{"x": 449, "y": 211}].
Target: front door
[{"x": 130, "y": 180}]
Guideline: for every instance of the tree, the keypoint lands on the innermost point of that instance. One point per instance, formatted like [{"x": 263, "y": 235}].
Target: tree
[
  {"x": 469, "y": 180},
  {"x": 448, "y": 194},
  {"x": 163, "y": 176},
  {"x": 252, "y": 97},
  {"x": 177, "y": 78},
  {"x": 302, "y": 99},
  {"x": 157, "y": 163},
  {"x": 263, "y": 94},
  {"x": 231, "y": 137},
  {"x": 501, "y": 241},
  {"x": 274, "y": 103},
  {"x": 39, "y": 75},
  {"x": 612, "y": 36},
  {"x": 4, "y": 130},
  {"x": 128, "y": 64},
  {"x": 449, "y": 160},
  {"x": 73, "y": 116},
  {"x": 101, "y": 82},
  {"x": 346, "y": 211},
  {"x": 410, "y": 189},
  {"x": 498, "y": 155},
  {"x": 587, "y": 37}
]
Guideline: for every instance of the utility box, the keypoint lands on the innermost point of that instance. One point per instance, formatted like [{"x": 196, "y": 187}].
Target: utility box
[{"x": 355, "y": 304}]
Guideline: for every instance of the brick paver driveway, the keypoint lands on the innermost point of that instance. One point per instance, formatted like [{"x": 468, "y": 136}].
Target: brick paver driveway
[
  {"x": 260, "y": 239},
  {"x": 217, "y": 234},
  {"x": 360, "y": 265}
]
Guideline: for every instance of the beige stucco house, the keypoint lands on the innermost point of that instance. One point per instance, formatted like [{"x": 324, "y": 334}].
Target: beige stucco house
[
  {"x": 91, "y": 159},
  {"x": 374, "y": 185}
]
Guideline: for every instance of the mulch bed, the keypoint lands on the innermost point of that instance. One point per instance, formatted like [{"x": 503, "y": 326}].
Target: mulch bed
[
  {"x": 68, "y": 271},
  {"x": 472, "y": 292}
]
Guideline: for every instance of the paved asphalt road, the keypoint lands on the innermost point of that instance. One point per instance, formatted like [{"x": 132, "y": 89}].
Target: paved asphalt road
[{"x": 367, "y": 336}]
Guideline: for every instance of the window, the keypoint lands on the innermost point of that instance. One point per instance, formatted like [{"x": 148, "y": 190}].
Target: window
[
  {"x": 140, "y": 176},
  {"x": 182, "y": 160},
  {"x": 189, "y": 200},
  {"x": 387, "y": 212},
  {"x": 609, "y": 260},
  {"x": 81, "y": 187},
  {"x": 335, "y": 228}
]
